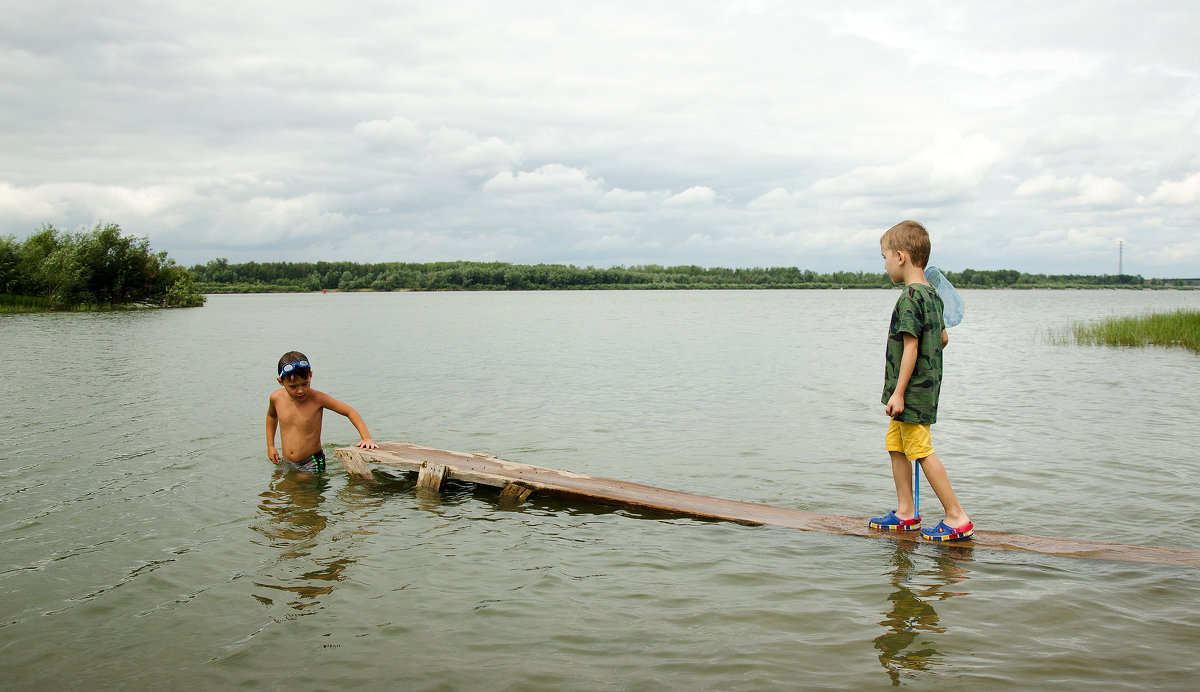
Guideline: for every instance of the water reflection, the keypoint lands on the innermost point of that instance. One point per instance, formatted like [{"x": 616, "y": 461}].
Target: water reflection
[
  {"x": 907, "y": 647},
  {"x": 294, "y": 522}
]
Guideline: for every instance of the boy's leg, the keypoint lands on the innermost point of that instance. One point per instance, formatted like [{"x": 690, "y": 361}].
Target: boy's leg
[
  {"x": 902, "y": 475},
  {"x": 935, "y": 473},
  {"x": 903, "y": 517}
]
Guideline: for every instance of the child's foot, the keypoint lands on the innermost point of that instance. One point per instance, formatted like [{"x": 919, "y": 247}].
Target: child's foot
[
  {"x": 891, "y": 522},
  {"x": 944, "y": 532}
]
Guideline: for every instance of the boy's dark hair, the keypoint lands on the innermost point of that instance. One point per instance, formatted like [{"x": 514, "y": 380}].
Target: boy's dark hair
[
  {"x": 910, "y": 237},
  {"x": 292, "y": 357}
]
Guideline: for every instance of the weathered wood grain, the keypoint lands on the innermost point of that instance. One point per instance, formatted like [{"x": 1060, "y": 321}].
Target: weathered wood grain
[
  {"x": 431, "y": 475},
  {"x": 515, "y": 493}
]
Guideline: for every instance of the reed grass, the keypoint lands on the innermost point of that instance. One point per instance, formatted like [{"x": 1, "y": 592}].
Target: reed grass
[
  {"x": 15, "y": 303},
  {"x": 1179, "y": 328}
]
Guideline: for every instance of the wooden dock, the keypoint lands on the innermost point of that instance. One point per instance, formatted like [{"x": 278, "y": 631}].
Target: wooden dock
[{"x": 518, "y": 481}]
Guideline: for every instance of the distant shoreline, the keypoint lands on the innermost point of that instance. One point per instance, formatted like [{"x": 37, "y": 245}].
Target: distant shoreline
[
  {"x": 251, "y": 289},
  {"x": 219, "y": 276}
]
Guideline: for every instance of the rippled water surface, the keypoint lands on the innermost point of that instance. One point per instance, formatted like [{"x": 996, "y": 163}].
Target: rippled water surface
[{"x": 147, "y": 541}]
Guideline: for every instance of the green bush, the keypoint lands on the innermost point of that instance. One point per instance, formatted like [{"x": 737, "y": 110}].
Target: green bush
[{"x": 101, "y": 269}]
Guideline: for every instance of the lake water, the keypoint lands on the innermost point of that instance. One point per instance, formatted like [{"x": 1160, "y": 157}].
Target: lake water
[{"x": 148, "y": 543}]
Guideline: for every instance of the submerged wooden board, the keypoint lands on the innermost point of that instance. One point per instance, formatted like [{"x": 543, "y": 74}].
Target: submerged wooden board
[{"x": 488, "y": 470}]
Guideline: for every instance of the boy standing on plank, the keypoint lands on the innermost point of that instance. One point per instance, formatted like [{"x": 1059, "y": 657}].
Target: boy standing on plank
[{"x": 912, "y": 384}]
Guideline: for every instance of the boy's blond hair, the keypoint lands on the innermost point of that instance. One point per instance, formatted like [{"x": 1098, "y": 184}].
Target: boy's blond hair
[{"x": 911, "y": 237}]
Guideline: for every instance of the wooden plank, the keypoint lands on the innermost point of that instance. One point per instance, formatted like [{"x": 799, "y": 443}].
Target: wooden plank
[
  {"x": 354, "y": 465},
  {"x": 515, "y": 493},
  {"x": 488, "y": 470},
  {"x": 431, "y": 476}
]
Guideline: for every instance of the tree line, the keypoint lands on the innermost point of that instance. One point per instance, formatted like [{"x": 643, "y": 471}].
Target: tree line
[
  {"x": 220, "y": 276},
  {"x": 101, "y": 268}
]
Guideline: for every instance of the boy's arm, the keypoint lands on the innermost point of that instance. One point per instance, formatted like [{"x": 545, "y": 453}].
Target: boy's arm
[
  {"x": 945, "y": 338},
  {"x": 349, "y": 412},
  {"x": 908, "y": 362},
  {"x": 272, "y": 425}
]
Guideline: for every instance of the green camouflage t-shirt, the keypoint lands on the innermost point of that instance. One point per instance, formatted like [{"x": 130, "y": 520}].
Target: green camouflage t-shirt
[{"x": 918, "y": 312}]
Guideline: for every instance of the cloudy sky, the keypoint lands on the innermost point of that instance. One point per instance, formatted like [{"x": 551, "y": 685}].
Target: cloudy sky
[{"x": 1026, "y": 135}]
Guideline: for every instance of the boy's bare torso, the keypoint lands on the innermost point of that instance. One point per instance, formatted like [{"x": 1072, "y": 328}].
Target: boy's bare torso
[{"x": 299, "y": 423}]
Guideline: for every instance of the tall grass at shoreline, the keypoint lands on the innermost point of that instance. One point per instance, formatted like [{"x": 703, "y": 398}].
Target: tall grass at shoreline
[
  {"x": 14, "y": 303},
  {"x": 1179, "y": 328}
]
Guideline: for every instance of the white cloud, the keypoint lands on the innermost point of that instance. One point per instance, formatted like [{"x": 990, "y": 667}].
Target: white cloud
[
  {"x": 791, "y": 244},
  {"x": 463, "y": 151},
  {"x": 285, "y": 221},
  {"x": 1046, "y": 184},
  {"x": 949, "y": 166},
  {"x": 107, "y": 202},
  {"x": 614, "y": 243},
  {"x": 617, "y": 198},
  {"x": 397, "y": 131},
  {"x": 698, "y": 195},
  {"x": 551, "y": 179},
  {"x": 777, "y": 198},
  {"x": 1177, "y": 192},
  {"x": 1087, "y": 191},
  {"x": 28, "y": 206},
  {"x": 1096, "y": 242},
  {"x": 1095, "y": 191}
]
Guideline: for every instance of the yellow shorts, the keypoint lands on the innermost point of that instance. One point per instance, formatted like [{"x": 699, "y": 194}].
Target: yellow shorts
[{"x": 911, "y": 438}]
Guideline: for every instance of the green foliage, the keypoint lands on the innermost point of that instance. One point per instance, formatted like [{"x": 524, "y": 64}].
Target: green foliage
[
  {"x": 10, "y": 264},
  {"x": 1010, "y": 278},
  {"x": 219, "y": 276},
  {"x": 15, "y": 303},
  {"x": 99, "y": 269}
]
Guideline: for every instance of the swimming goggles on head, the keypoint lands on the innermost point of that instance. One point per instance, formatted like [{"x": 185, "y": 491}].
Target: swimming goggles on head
[{"x": 298, "y": 365}]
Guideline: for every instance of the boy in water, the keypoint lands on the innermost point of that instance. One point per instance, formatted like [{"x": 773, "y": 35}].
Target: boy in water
[
  {"x": 296, "y": 410},
  {"x": 911, "y": 385}
]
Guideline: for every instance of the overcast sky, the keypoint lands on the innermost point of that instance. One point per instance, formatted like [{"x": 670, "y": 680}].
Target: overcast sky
[{"x": 1025, "y": 135}]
